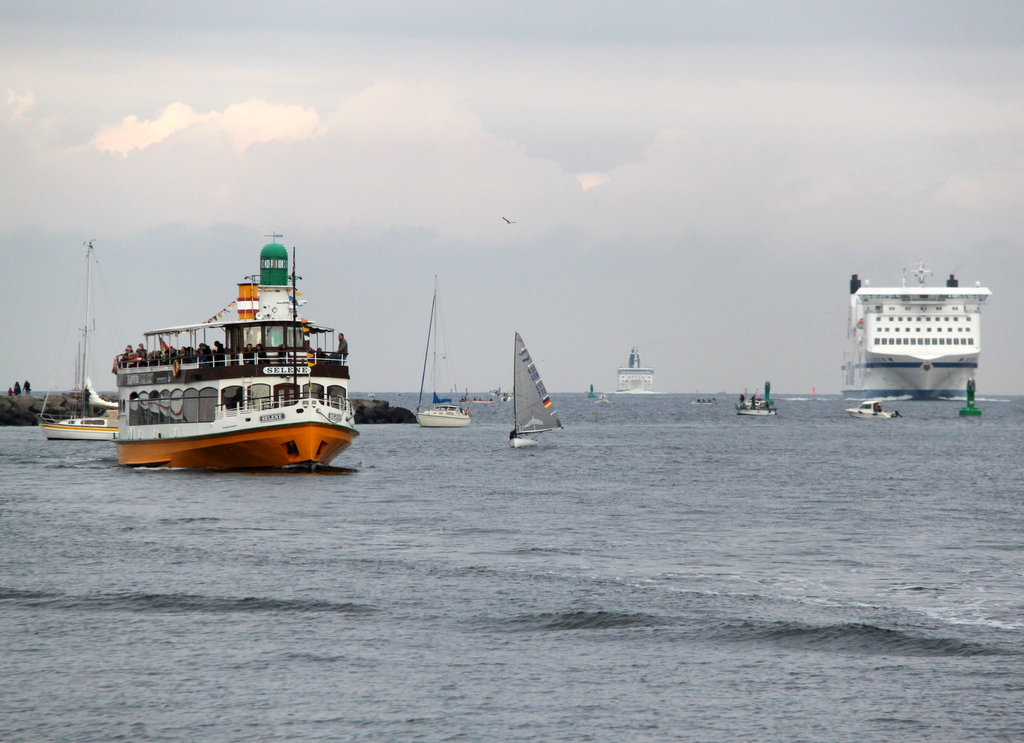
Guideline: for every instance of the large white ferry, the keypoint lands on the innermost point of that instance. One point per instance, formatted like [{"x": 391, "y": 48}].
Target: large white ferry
[
  {"x": 635, "y": 377},
  {"x": 266, "y": 394},
  {"x": 916, "y": 342}
]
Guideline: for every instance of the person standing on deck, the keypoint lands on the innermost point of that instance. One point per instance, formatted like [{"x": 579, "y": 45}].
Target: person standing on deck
[{"x": 343, "y": 347}]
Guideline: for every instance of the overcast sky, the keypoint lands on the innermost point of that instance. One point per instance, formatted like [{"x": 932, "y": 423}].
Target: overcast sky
[{"x": 696, "y": 179}]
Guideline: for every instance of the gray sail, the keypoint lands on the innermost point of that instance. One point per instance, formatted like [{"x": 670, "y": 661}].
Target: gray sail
[{"x": 533, "y": 408}]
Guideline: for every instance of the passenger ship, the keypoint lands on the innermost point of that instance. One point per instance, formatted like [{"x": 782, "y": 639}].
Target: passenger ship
[
  {"x": 916, "y": 342},
  {"x": 265, "y": 395},
  {"x": 634, "y": 377}
]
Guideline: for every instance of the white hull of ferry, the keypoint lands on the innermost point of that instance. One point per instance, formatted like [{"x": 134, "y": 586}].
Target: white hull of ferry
[
  {"x": 442, "y": 418},
  {"x": 887, "y": 375},
  {"x": 919, "y": 342},
  {"x": 80, "y": 429}
]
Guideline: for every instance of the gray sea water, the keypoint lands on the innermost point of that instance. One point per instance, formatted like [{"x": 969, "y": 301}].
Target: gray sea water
[{"x": 658, "y": 571}]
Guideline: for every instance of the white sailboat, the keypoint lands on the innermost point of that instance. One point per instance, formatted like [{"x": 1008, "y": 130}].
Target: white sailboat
[
  {"x": 534, "y": 411},
  {"x": 88, "y": 427},
  {"x": 442, "y": 413}
]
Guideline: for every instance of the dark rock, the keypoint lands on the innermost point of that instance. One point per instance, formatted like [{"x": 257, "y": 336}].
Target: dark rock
[{"x": 380, "y": 411}]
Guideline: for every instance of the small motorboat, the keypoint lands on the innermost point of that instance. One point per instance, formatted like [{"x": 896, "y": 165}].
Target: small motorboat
[
  {"x": 603, "y": 398},
  {"x": 755, "y": 406},
  {"x": 872, "y": 409},
  {"x": 705, "y": 401}
]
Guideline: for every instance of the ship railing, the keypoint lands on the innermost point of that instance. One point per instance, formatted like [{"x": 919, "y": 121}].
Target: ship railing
[
  {"x": 235, "y": 359},
  {"x": 263, "y": 404}
]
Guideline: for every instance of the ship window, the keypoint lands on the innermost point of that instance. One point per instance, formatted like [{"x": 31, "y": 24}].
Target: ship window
[
  {"x": 968, "y": 319},
  {"x": 259, "y": 396},
  {"x": 313, "y": 390},
  {"x": 165, "y": 406},
  {"x": 336, "y": 390},
  {"x": 231, "y": 397},
  {"x": 275, "y": 336},
  {"x": 190, "y": 406},
  {"x": 251, "y": 334},
  {"x": 134, "y": 419},
  {"x": 176, "y": 406},
  {"x": 207, "y": 404}
]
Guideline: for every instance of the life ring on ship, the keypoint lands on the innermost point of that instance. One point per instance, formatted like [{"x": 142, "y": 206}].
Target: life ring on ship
[{"x": 176, "y": 368}]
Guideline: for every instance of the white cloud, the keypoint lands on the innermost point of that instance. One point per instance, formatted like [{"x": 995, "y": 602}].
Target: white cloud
[
  {"x": 245, "y": 123},
  {"x": 22, "y": 103},
  {"x": 592, "y": 179}
]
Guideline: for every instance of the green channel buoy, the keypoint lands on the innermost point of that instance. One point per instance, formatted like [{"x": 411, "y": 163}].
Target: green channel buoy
[{"x": 970, "y": 409}]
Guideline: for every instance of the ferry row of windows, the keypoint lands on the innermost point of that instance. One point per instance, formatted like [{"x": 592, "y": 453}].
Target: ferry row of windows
[
  {"x": 925, "y": 341},
  {"x": 200, "y": 406},
  {"x": 967, "y": 318},
  {"x": 927, "y": 330}
]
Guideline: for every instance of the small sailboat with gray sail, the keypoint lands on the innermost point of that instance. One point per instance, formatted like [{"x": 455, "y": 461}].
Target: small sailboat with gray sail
[{"x": 534, "y": 411}]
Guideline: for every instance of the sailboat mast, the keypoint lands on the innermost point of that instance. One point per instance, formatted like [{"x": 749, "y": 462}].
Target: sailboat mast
[
  {"x": 515, "y": 396},
  {"x": 85, "y": 336},
  {"x": 426, "y": 351}
]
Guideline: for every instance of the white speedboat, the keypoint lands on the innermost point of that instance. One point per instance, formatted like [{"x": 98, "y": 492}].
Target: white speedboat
[
  {"x": 443, "y": 413},
  {"x": 534, "y": 412},
  {"x": 872, "y": 409},
  {"x": 603, "y": 398}
]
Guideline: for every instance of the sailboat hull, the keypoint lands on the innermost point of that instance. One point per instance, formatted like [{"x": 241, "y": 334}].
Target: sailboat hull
[
  {"x": 443, "y": 419},
  {"x": 521, "y": 442},
  {"x": 80, "y": 429}
]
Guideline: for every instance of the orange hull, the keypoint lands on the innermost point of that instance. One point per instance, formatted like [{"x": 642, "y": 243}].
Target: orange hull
[{"x": 278, "y": 446}]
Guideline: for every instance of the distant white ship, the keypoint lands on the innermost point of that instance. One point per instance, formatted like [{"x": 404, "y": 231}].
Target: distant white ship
[
  {"x": 919, "y": 342},
  {"x": 635, "y": 377}
]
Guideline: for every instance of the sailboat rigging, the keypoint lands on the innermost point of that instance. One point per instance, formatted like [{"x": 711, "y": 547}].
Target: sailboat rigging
[
  {"x": 534, "y": 413},
  {"x": 85, "y": 426},
  {"x": 442, "y": 413}
]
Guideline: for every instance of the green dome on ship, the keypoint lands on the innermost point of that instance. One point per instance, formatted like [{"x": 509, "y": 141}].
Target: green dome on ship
[{"x": 274, "y": 265}]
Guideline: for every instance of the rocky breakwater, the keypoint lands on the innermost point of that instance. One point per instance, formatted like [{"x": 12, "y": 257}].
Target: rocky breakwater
[
  {"x": 380, "y": 411},
  {"x": 21, "y": 410}
]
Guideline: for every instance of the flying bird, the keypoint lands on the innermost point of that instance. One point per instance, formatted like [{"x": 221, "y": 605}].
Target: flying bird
[{"x": 508, "y": 220}]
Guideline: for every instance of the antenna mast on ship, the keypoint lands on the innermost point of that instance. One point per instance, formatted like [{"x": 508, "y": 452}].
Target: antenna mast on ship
[{"x": 921, "y": 272}]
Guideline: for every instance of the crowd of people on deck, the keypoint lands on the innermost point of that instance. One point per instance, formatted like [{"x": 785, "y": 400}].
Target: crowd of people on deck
[
  {"x": 204, "y": 355},
  {"x": 17, "y": 389}
]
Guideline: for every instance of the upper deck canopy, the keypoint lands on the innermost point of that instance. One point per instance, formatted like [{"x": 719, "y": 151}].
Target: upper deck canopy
[{"x": 245, "y": 323}]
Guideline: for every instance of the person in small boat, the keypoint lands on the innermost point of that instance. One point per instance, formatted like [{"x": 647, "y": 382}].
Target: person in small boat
[
  {"x": 878, "y": 407},
  {"x": 896, "y": 414},
  {"x": 513, "y": 434},
  {"x": 742, "y": 399}
]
